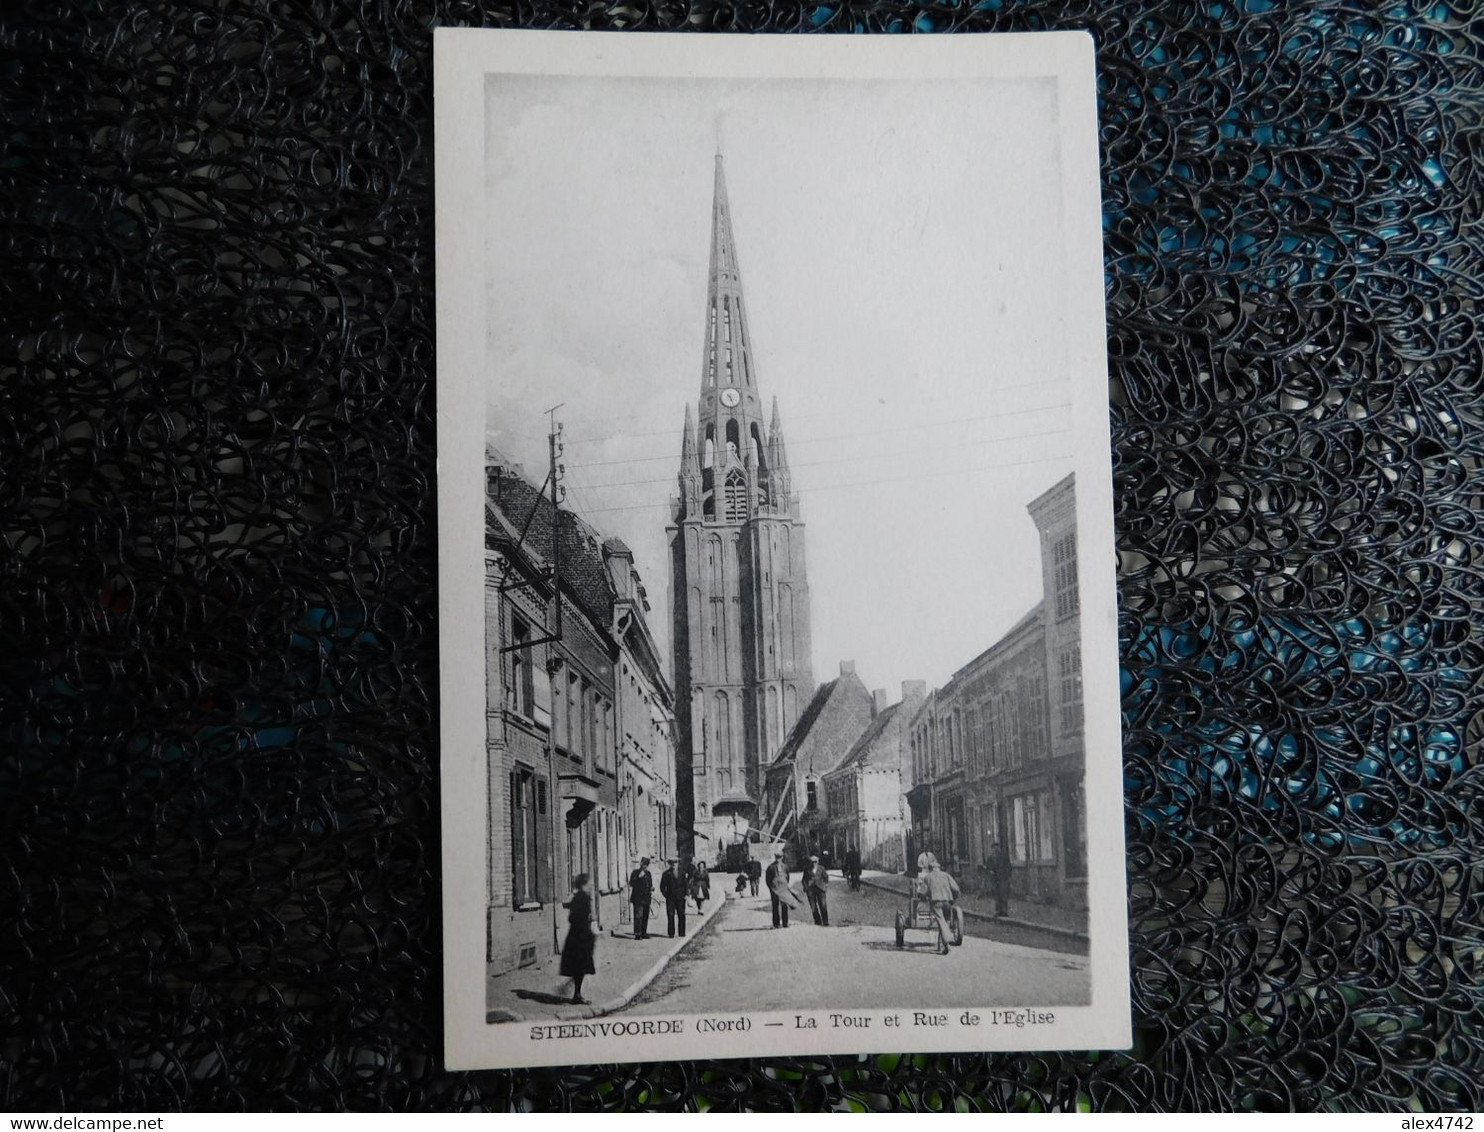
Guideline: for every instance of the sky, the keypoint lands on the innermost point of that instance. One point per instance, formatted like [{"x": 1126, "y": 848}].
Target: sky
[{"x": 903, "y": 263}]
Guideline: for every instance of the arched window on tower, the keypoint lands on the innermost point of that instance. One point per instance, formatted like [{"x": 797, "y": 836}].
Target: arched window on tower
[
  {"x": 760, "y": 462},
  {"x": 711, "y": 362},
  {"x": 786, "y": 624},
  {"x": 708, "y": 475},
  {"x": 723, "y": 735},
  {"x": 726, "y": 316},
  {"x": 713, "y": 563}
]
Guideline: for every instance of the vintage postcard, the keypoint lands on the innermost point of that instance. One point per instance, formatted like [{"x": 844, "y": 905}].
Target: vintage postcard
[{"x": 779, "y": 662}]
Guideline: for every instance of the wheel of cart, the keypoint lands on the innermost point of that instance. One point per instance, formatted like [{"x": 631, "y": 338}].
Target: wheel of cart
[{"x": 919, "y": 917}]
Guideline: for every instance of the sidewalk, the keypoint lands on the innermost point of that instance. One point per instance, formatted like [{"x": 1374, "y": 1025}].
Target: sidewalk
[
  {"x": 625, "y": 966},
  {"x": 1068, "y": 922}
]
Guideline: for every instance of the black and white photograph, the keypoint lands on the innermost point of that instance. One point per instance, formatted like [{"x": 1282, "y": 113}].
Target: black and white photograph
[{"x": 779, "y": 639}]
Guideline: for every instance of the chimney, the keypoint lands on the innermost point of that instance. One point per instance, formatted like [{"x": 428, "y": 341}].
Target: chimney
[
  {"x": 847, "y": 668},
  {"x": 914, "y": 690},
  {"x": 878, "y": 701}
]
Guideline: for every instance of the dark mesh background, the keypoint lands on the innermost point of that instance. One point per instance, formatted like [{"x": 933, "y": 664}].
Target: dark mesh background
[{"x": 218, "y": 625}]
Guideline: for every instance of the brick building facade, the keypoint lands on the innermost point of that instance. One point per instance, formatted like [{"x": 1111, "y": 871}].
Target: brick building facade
[
  {"x": 579, "y": 723},
  {"x": 997, "y": 753}
]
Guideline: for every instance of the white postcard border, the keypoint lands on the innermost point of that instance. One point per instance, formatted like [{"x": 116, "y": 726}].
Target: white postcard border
[{"x": 462, "y": 59}]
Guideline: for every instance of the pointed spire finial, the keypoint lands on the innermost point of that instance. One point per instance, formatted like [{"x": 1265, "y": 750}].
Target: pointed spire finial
[
  {"x": 689, "y": 465},
  {"x": 777, "y": 454}
]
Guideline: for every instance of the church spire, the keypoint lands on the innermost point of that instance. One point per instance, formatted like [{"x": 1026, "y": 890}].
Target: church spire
[
  {"x": 728, "y": 359},
  {"x": 738, "y": 583}
]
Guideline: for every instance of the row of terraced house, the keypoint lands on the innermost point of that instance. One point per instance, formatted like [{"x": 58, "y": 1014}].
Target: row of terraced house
[
  {"x": 993, "y": 759},
  {"x": 996, "y": 755},
  {"x": 580, "y": 723}
]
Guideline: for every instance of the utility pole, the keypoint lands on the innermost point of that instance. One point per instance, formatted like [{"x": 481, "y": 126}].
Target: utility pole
[
  {"x": 553, "y": 664},
  {"x": 553, "y": 636}
]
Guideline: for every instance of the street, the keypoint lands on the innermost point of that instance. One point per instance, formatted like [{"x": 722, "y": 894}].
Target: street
[{"x": 740, "y": 962}]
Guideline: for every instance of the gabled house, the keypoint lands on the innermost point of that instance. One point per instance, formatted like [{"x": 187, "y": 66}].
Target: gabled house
[
  {"x": 828, "y": 727},
  {"x": 864, "y": 793}
]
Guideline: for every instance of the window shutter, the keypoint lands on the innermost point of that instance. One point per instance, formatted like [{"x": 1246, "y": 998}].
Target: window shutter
[{"x": 544, "y": 864}]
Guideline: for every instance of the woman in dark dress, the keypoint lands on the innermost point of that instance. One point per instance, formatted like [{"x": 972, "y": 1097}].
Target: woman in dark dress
[
  {"x": 577, "y": 951},
  {"x": 700, "y": 885}
]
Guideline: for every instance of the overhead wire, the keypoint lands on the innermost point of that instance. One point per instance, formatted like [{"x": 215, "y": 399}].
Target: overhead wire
[
  {"x": 593, "y": 438},
  {"x": 871, "y": 483},
  {"x": 808, "y": 440},
  {"x": 858, "y": 457}
]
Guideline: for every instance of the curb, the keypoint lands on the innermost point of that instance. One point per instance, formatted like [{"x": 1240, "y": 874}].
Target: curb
[
  {"x": 633, "y": 990},
  {"x": 1029, "y": 925}
]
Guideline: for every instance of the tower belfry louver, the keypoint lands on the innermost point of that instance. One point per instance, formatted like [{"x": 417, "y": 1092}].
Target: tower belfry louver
[{"x": 738, "y": 580}]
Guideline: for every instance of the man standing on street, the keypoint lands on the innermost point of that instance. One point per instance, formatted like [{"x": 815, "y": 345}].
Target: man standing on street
[
  {"x": 940, "y": 890},
  {"x": 754, "y": 873},
  {"x": 672, "y": 888},
  {"x": 778, "y": 872},
  {"x": 999, "y": 872},
  {"x": 815, "y": 878},
  {"x": 641, "y": 890}
]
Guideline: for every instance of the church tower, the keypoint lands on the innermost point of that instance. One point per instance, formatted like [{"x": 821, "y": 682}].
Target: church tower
[{"x": 740, "y": 594}]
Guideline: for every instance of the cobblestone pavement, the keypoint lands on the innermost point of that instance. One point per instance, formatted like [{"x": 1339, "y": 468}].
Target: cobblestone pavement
[{"x": 741, "y": 962}]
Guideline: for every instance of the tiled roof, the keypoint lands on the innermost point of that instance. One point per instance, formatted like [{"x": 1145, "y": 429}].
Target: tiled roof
[
  {"x": 1033, "y": 615},
  {"x": 867, "y": 751},
  {"x": 1030, "y": 618},
  {"x": 583, "y": 575},
  {"x": 805, "y": 721}
]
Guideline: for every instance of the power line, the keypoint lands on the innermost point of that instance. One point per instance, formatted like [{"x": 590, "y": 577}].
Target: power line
[
  {"x": 580, "y": 492},
  {"x": 805, "y": 442},
  {"x": 598, "y": 485},
  {"x": 871, "y": 483},
  {"x": 582, "y": 438}
]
